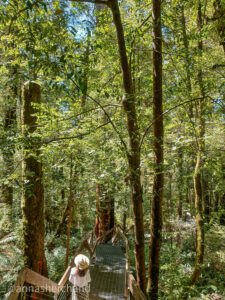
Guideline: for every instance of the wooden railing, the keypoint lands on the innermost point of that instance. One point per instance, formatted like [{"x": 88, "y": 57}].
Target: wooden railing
[
  {"x": 89, "y": 243},
  {"x": 27, "y": 276}
]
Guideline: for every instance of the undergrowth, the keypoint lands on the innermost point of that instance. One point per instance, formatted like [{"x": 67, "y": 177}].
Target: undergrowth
[{"x": 177, "y": 261}]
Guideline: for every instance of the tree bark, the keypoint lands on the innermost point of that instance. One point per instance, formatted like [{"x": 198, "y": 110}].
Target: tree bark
[
  {"x": 156, "y": 210},
  {"x": 32, "y": 188},
  {"x": 104, "y": 219},
  {"x": 129, "y": 104}
]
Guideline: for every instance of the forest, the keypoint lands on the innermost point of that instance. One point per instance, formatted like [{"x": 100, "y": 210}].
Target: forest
[{"x": 112, "y": 116}]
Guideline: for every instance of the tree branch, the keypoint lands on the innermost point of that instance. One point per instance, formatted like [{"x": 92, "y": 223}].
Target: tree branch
[
  {"x": 89, "y": 110},
  {"x": 75, "y": 136},
  {"x": 107, "y": 115},
  {"x": 18, "y": 13},
  {"x": 133, "y": 40},
  {"x": 166, "y": 112},
  {"x": 92, "y": 1}
]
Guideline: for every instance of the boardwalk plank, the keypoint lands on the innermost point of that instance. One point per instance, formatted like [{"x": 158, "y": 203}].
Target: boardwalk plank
[{"x": 108, "y": 273}]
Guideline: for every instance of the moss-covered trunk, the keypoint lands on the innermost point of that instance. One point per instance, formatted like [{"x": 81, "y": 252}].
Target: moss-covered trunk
[{"x": 32, "y": 192}]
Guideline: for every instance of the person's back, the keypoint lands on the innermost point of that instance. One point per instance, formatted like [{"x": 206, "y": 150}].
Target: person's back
[{"x": 80, "y": 278}]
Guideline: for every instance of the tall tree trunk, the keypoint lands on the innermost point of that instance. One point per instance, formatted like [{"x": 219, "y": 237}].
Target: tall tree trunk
[
  {"x": 156, "y": 210},
  {"x": 32, "y": 193},
  {"x": 198, "y": 170},
  {"x": 129, "y": 104}
]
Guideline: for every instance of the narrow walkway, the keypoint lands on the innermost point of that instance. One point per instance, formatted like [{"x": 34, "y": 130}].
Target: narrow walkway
[{"x": 108, "y": 273}]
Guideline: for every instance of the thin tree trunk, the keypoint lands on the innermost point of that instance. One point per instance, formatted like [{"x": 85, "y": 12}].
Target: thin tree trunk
[
  {"x": 61, "y": 228},
  {"x": 32, "y": 193},
  {"x": 216, "y": 202},
  {"x": 8, "y": 155},
  {"x": 156, "y": 210},
  {"x": 206, "y": 197},
  {"x": 197, "y": 174},
  {"x": 170, "y": 197},
  {"x": 187, "y": 59},
  {"x": 199, "y": 223},
  {"x": 188, "y": 73},
  {"x": 86, "y": 69},
  {"x": 222, "y": 198},
  {"x": 8, "y": 160},
  {"x": 70, "y": 213},
  {"x": 180, "y": 184},
  {"x": 112, "y": 211}
]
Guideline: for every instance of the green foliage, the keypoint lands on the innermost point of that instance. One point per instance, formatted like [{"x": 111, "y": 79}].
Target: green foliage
[{"x": 48, "y": 41}]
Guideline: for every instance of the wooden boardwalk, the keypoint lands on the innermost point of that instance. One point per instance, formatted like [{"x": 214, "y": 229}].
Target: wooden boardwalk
[{"x": 108, "y": 273}]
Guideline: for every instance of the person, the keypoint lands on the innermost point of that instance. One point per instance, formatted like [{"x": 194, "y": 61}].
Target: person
[{"x": 80, "y": 278}]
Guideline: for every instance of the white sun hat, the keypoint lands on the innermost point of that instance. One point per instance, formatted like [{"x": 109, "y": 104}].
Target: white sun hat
[{"x": 81, "y": 261}]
